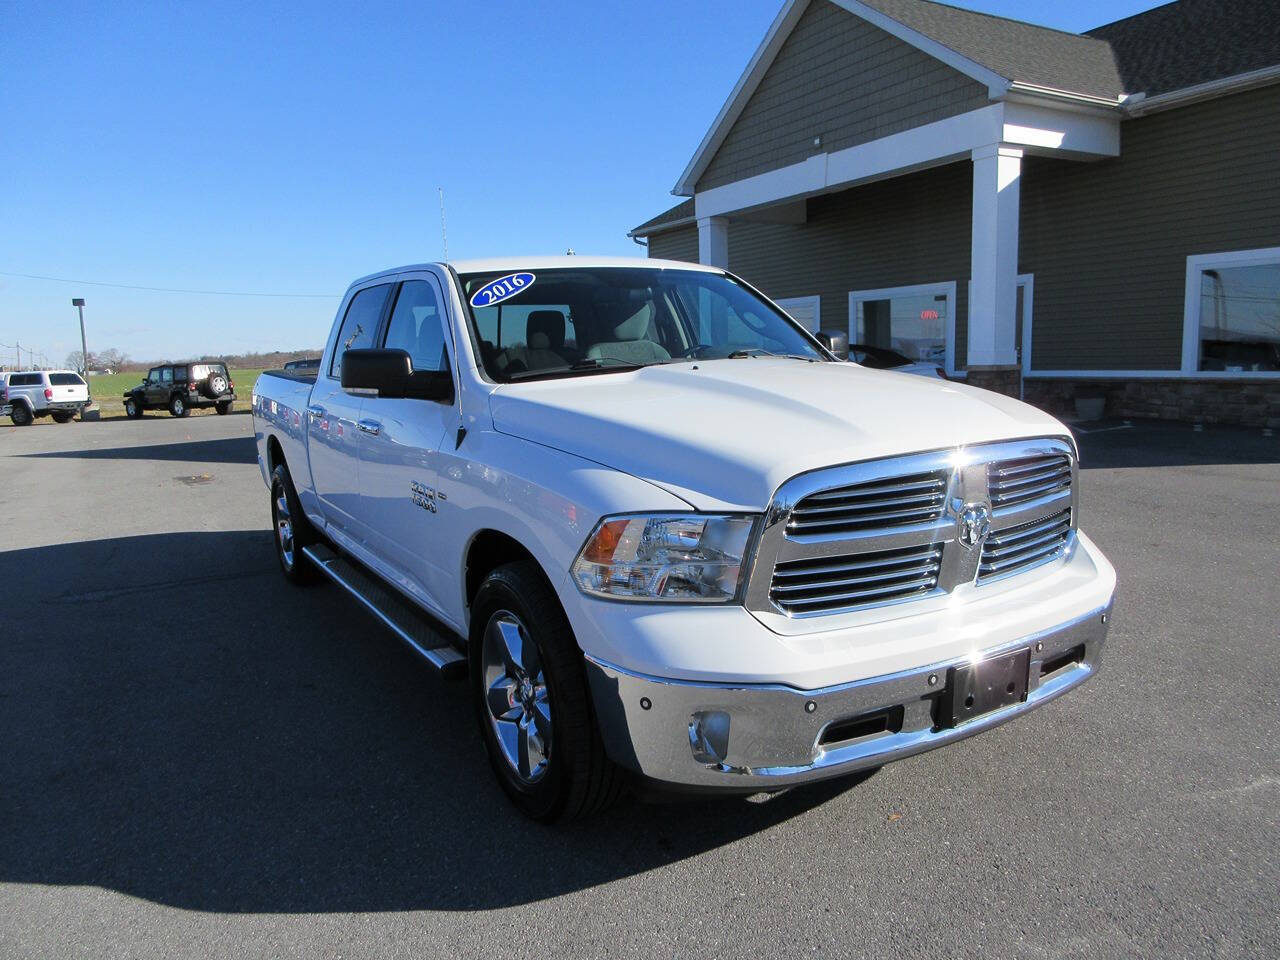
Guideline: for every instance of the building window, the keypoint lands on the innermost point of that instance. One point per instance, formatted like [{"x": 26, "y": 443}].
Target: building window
[
  {"x": 806, "y": 311},
  {"x": 918, "y": 321},
  {"x": 1232, "y": 313}
]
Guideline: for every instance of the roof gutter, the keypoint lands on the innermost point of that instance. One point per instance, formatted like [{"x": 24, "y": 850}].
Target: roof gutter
[
  {"x": 1064, "y": 96},
  {"x": 650, "y": 230},
  {"x": 1140, "y": 105}
]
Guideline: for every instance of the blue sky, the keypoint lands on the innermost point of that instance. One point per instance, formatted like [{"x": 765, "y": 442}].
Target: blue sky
[{"x": 256, "y": 147}]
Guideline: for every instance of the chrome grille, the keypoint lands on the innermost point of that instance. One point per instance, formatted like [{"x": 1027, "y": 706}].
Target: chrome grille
[
  {"x": 848, "y": 538},
  {"x": 1025, "y": 546},
  {"x": 888, "y": 502},
  {"x": 1024, "y": 479},
  {"x": 841, "y": 582}
]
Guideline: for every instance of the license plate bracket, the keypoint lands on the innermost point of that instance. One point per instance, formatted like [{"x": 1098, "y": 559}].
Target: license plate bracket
[{"x": 975, "y": 689}]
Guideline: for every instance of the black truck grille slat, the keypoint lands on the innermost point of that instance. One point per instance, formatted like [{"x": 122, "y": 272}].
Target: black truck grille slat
[
  {"x": 1012, "y": 482},
  {"x": 845, "y": 583},
  {"x": 1025, "y": 546},
  {"x": 889, "y": 503}
]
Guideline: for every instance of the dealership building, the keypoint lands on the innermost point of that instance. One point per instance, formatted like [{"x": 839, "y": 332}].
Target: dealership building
[{"x": 1048, "y": 214}]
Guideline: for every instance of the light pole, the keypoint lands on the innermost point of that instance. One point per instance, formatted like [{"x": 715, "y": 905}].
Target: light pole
[{"x": 90, "y": 412}]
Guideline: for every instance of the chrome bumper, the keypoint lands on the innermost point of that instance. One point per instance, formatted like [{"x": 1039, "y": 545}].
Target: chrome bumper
[{"x": 767, "y": 737}]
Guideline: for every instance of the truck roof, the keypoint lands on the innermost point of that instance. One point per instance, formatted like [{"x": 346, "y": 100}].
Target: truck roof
[{"x": 500, "y": 264}]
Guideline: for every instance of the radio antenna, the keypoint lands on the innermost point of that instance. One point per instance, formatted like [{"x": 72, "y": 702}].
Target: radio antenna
[{"x": 444, "y": 235}]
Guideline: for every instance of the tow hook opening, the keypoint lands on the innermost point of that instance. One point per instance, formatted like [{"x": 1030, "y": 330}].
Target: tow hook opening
[
  {"x": 885, "y": 720},
  {"x": 1062, "y": 661}
]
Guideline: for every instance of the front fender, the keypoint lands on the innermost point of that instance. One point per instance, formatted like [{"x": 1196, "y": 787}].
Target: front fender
[{"x": 545, "y": 499}]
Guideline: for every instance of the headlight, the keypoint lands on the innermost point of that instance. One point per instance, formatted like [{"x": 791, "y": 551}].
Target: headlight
[{"x": 677, "y": 557}]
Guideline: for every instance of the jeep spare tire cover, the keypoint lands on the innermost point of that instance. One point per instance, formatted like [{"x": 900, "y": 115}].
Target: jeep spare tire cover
[{"x": 216, "y": 385}]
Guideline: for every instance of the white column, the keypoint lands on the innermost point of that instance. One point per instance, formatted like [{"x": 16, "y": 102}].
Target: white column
[
  {"x": 713, "y": 242},
  {"x": 993, "y": 300}
]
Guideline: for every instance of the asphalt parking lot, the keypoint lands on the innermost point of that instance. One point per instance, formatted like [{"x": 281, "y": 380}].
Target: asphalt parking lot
[{"x": 200, "y": 761}]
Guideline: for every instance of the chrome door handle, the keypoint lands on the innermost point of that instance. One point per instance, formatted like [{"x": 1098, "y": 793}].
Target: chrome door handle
[
  {"x": 315, "y": 412},
  {"x": 371, "y": 427}
]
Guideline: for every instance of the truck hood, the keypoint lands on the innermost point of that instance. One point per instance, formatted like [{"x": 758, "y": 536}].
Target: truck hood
[{"x": 724, "y": 434}]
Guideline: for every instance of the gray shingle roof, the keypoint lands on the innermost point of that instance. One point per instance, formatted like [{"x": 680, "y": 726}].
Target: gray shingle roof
[
  {"x": 1015, "y": 50},
  {"x": 1166, "y": 48},
  {"x": 680, "y": 212},
  {"x": 1193, "y": 41}
]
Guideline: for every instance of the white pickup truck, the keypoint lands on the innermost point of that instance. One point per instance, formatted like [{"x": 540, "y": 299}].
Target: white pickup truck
[
  {"x": 30, "y": 394},
  {"x": 668, "y": 535}
]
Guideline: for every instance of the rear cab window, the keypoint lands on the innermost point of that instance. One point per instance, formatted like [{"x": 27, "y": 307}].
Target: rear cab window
[{"x": 65, "y": 380}]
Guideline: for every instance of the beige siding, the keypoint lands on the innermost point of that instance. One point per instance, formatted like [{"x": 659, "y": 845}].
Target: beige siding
[
  {"x": 908, "y": 230},
  {"x": 1109, "y": 241},
  {"x": 840, "y": 78},
  {"x": 678, "y": 244}
]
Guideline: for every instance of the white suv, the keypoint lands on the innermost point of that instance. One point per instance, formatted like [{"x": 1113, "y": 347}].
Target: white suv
[{"x": 60, "y": 394}]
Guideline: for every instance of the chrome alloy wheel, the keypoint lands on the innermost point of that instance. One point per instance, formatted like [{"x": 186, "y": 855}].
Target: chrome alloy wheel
[
  {"x": 516, "y": 697},
  {"x": 284, "y": 529}
]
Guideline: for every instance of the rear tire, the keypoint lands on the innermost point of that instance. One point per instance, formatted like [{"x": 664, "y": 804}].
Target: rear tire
[
  {"x": 20, "y": 415},
  {"x": 292, "y": 530},
  {"x": 63, "y": 416},
  {"x": 177, "y": 406},
  {"x": 223, "y": 408},
  {"x": 529, "y": 687}
]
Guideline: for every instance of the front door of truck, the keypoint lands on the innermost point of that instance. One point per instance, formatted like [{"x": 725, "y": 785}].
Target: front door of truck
[
  {"x": 333, "y": 439},
  {"x": 152, "y": 390},
  {"x": 399, "y": 448}
]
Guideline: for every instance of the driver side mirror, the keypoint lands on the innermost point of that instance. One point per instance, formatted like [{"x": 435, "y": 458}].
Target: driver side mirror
[
  {"x": 836, "y": 341},
  {"x": 390, "y": 373}
]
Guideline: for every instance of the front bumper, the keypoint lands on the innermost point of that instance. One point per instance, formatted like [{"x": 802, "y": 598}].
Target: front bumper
[{"x": 752, "y": 737}]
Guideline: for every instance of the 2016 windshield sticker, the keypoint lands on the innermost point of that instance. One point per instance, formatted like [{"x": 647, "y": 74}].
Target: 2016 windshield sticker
[{"x": 504, "y": 288}]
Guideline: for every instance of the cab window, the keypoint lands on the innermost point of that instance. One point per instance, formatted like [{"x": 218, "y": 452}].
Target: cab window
[
  {"x": 416, "y": 326},
  {"x": 166, "y": 375},
  {"x": 360, "y": 325},
  {"x": 153, "y": 375}
]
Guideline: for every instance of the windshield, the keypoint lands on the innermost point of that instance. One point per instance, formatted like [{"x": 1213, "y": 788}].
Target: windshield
[{"x": 566, "y": 321}]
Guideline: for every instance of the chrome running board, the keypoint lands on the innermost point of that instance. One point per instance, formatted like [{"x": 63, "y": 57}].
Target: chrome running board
[{"x": 389, "y": 606}]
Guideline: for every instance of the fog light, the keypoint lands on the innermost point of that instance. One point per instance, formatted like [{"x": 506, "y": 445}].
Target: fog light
[{"x": 709, "y": 737}]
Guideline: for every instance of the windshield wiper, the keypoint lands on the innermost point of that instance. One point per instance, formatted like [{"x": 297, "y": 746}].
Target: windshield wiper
[
  {"x": 589, "y": 365},
  {"x": 761, "y": 352}
]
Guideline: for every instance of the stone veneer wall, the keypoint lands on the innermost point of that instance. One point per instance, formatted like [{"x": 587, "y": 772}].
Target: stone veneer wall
[
  {"x": 1252, "y": 403},
  {"x": 1000, "y": 379}
]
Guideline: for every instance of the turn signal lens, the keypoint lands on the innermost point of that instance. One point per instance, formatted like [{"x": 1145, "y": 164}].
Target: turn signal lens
[{"x": 691, "y": 558}]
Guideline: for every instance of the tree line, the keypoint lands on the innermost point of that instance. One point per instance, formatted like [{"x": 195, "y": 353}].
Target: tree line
[{"x": 120, "y": 362}]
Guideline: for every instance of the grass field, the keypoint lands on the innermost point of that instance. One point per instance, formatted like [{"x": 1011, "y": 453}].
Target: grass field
[{"x": 108, "y": 392}]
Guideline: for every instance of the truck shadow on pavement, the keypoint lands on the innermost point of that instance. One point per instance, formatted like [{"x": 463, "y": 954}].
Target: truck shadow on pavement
[
  {"x": 221, "y": 450},
  {"x": 181, "y": 726}
]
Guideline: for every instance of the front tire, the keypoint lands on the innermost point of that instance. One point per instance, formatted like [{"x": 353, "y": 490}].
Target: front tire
[
  {"x": 178, "y": 406},
  {"x": 292, "y": 530},
  {"x": 20, "y": 415},
  {"x": 133, "y": 410},
  {"x": 531, "y": 700}
]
